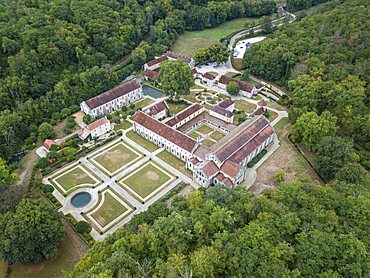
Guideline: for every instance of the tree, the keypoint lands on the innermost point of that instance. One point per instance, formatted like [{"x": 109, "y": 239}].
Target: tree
[
  {"x": 46, "y": 131},
  {"x": 176, "y": 78},
  {"x": 218, "y": 53},
  {"x": 31, "y": 234},
  {"x": 6, "y": 175},
  {"x": 333, "y": 152},
  {"x": 311, "y": 128},
  {"x": 204, "y": 262},
  {"x": 233, "y": 88},
  {"x": 353, "y": 173},
  {"x": 87, "y": 119}
]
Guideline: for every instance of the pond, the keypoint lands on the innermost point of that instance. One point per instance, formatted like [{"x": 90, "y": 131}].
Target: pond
[
  {"x": 81, "y": 199},
  {"x": 153, "y": 92}
]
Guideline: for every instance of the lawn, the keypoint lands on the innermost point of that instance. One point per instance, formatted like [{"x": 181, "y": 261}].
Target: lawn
[
  {"x": 109, "y": 211},
  {"x": 143, "y": 103},
  {"x": 174, "y": 162},
  {"x": 272, "y": 116},
  {"x": 217, "y": 135},
  {"x": 208, "y": 142},
  {"x": 116, "y": 157},
  {"x": 245, "y": 106},
  {"x": 146, "y": 180},
  {"x": 149, "y": 146},
  {"x": 189, "y": 42},
  {"x": 70, "y": 250},
  {"x": 204, "y": 129},
  {"x": 193, "y": 135},
  {"x": 191, "y": 96},
  {"x": 74, "y": 178},
  {"x": 3, "y": 268},
  {"x": 177, "y": 107},
  {"x": 124, "y": 125}
]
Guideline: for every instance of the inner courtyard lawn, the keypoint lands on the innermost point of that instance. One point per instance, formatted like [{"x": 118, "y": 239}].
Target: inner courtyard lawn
[
  {"x": 116, "y": 157},
  {"x": 174, "y": 162},
  {"x": 193, "y": 135},
  {"x": 177, "y": 107},
  {"x": 109, "y": 211},
  {"x": 217, "y": 135},
  {"x": 151, "y": 147},
  {"x": 123, "y": 125},
  {"x": 245, "y": 106},
  {"x": 146, "y": 180},
  {"x": 189, "y": 42},
  {"x": 74, "y": 178},
  {"x": 208, "y": 142},
  {"x": 204, "y": 129}
]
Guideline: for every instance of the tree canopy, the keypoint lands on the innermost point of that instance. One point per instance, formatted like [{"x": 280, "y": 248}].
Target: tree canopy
[
  {"x": 218, "y": 53},
  {"x": 31, "y": 233},
  {"x": 176, "y": 78},
  {"x": 298, "y": 230}
]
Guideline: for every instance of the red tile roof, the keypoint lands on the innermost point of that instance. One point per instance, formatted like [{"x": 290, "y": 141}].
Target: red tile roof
[
  {"x": 97, "y": 123},
  {"x": 194, "y": 71},
  {"x": 172, "y": 135},
  {"x": 259, "y": 111},
  {"x": 220, "y": 177},
  {"x": 48, "y": 143},
  {"x": 157, "y": 61},
  {"x": 184, "y": 114},
  {"x": 222, "y": 111},
  {"x": 210, "y": 169},
  {"x": 228, "y": 182},
  {"x": 230, "y": 168},
  {"x": 114, "y": 93},
  {"x": 245, "y": 86},
  {"x": 177, "y": 56},
  {"x": 201, "y": 151},
  {"x": 226, "y": 103},
  {"x": 157, "y": 108},
  {"x": 262, "y": 102},
  {"x": 241, "y": 139},
  {"x": 151, "y": 74},
  {"x": 252, "y": 145}
]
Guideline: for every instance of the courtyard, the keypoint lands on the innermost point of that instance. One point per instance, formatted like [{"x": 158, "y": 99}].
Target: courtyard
[{"x": 207, "y": 134}]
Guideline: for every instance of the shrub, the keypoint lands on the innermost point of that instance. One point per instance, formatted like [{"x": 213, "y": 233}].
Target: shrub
[
  {"x": 233, "y": 88},
  {"x": 267, "y": 114},
  {"x": 87, "y": 119},
  {"x": 124, "y": 108},
  {"x": 131, "y": 113},
  {"x": 132, "y": 106},
  {"x": 48, "y": 188},
  {"x": 43, "y": 163},
  {"x": 109, "y": 116},
  {"x": 83, "y": 227}
]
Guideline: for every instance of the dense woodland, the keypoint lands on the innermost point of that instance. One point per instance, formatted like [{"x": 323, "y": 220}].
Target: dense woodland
[
  {"x": 299, "y": 230},
  {"x": 54, "y": 54},
  {"x": 324, "y": 60}
]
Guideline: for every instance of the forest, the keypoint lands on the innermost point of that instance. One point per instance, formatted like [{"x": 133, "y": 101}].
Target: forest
[
  {"x": 54, "y": 54},
  {"x": 325, "y": 62},
  {"x": 298, "y": 230}
]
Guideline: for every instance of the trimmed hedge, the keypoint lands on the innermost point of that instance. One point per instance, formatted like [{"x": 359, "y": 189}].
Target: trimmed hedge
[{"x": 257, "y": 158}]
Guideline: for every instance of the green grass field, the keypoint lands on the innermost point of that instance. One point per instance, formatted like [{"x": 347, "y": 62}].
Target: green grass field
[
  {"x": 109, "y": 211},
  {"x": 124, "y": 125},
  {"x": 146, "y": 180},
  {"x": 116, "y": 157},
  {"x": 191, "y": 96},
  {"x": 177, "y": 107},
  {"x": 204, "y": 129},
  {"x": 151, "y": 147},
  {"x": 245, "y": 106},
  {"x": 193, "y": 135},
  {"x": 142, "y": 103},
  {"x": 74, "y": 178},
  {"x": 174, "y": 162},
  {"x": 217, "y": 135},
  {"x": 189, "y": 42},
  {"x": 208, "y": 142}
]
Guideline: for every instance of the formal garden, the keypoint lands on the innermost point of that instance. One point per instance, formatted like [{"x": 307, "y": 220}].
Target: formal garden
[{"x": 207, "y": 134}]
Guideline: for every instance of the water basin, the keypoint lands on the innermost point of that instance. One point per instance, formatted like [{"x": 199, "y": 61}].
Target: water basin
[{"x": 81, "y": 199}]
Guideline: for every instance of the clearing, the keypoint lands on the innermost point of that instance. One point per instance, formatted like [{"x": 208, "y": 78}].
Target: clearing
[
  {"x": 189, "y": 42},
  {"x": 286, "y": 158}
]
